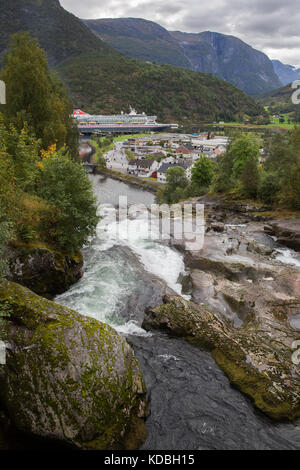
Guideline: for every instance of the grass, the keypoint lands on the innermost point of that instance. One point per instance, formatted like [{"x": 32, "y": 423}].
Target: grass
[
  {"x": 276, "y": 124},
  {"x": 122, "y": 138}
]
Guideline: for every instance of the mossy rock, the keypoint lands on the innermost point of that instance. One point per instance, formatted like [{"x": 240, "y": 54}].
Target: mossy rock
[
  {"x": 68, "y": 377},
  {"x": 43, "y": 270},
  {"x": 255, "y": 362}
]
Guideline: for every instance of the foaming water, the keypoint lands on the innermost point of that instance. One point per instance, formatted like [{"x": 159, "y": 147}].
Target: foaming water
[
  {"x": 141, "y": 238},
  {"x": 114, "y": 289},
  {"x": 287, "y": 256}
]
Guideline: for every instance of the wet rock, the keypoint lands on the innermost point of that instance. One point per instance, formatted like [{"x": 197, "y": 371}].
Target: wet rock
[
  {"x": 218, "y": 227},
  {"x": 244, "y": 305},
  {"x": 257, "y": 362},
  {"x": 256, "y": 247},
  {"x": 68, "y": 377},
  {"x": 44, "y": 271},
  {"x": 287, "y": 232},
  {"x": 185, "y": 281}
]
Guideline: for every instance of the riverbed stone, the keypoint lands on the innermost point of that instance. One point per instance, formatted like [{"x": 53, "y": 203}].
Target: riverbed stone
[
  {"x": 68, "y": 377},
  {"x": 256, "y": 247},
  {"x": 287, "y": 232}
]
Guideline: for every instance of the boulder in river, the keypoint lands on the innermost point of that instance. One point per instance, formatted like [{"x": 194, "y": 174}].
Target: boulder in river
[
  {"x": 287, "y": 232},
  {"x": 43, "y": 270},
  {"x": 68, "y": 377}
]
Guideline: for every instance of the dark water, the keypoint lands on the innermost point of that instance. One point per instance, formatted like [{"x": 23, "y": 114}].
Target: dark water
[{"x": 192, "y": 404}]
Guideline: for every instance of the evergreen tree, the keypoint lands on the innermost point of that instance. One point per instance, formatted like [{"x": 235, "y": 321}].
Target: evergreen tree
[{"x": 35, "y": 96}]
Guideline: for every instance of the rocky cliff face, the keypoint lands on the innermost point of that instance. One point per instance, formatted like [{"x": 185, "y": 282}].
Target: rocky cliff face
[
  {"x": 44, "y": 271},
  {"x": 69, "y": 378},
  {"x": 286, "y": 73},
  {"x": 140, "y": 39},
  {"x": 229, "y": 58},
  {"x": 226, "y": 57}
]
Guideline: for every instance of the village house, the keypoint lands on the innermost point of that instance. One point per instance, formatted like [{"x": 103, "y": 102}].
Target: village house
[
  {"x": 162, "y": 171},
  {"x": 142, "y": 167},
  {"x": 182, "y": 150}
]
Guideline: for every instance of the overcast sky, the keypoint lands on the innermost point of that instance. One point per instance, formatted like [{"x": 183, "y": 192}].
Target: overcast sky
[{"x": 271, "y": 26}]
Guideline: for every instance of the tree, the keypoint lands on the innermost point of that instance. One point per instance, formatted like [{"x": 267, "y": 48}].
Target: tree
[
  {"x": 64, "y": 185},
  {"x": 37, "y": 97},
  {"x": 203, "y": 172},
  {"x": 269, "y": 187},
  {"x": 244, "y": 148},
  {"x": 176, "y": 186},
  {"x": 238, "y": 167},
  {"x": 250, "y": 178},
  {"x": 22, "y": 152}
]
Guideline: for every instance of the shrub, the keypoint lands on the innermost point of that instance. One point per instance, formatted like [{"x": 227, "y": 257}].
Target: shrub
[{"x": 64, "y": 184}]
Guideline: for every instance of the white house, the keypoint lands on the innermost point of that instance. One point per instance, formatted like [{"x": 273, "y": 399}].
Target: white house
[
  {"x": 162, "y": 171},
  {"x": 143, "y": 168}
]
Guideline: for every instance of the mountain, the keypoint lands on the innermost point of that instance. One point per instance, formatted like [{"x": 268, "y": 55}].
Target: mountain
[
  {"x": 280, "y": 102},
  {"x": 60, "y": 33},
  {"x": 102, "y": 80},
  {"x": 226, "y": 57},
  {"x": 229, "y": 58},
  {"x": 286, "y": 73},
  {"x": 140, "y": 39}
]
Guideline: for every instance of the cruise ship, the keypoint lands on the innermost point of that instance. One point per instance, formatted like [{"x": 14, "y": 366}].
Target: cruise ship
[{"x": 119, "y": 123}]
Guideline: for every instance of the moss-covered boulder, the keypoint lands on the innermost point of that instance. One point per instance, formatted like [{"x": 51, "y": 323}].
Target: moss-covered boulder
[
  {"x": 43, "y": 270},
  {"x": 256, "y": 358},
  {"x": 68, "y": 377}
]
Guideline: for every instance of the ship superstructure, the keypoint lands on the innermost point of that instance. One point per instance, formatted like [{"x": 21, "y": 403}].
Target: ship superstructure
[{"x": 118, "y": 123}]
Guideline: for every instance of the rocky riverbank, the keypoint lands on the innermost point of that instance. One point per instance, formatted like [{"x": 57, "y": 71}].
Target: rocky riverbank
[
  {"x": 141, "y": 183},
  {"x": 244, "y": 299},
  {"x": 68, "y": 378},
  {"x": 42, "y": 269}
]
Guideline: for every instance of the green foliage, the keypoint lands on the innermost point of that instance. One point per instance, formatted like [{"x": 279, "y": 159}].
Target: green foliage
[
  {"x": 101, "y": 79},
  {"x": 238, "y": 167},
  {"x": 64, "y": 185},
  {"x": 269, "y": 187},
  {"x": 8, "y": 206},
  {"x": 33, "y": 209},
  {"x": 250, "y": 177},
  {"x": 35, "y": 96},
  {"x": 203, "y": 172},
  {"x": 5, "y": 237},
  {"x": 176, "y": 186},
  {"x": 173, "y": 94},
  {"x": 276, "y": 181},
  {"x": 44, "y": 195},
  {"x": 244, "y": 149},
  {"x": 22, "y": 152}
]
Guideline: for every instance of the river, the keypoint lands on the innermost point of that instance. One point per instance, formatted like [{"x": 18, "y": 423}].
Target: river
[{"x": 192, "y": 404}]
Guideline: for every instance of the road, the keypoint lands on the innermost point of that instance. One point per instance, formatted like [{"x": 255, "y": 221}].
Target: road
[{"x": 116, "y": 159}]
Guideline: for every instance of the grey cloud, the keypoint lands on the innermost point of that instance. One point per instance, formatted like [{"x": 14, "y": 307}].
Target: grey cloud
[{"x": 269, "y": 25}]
